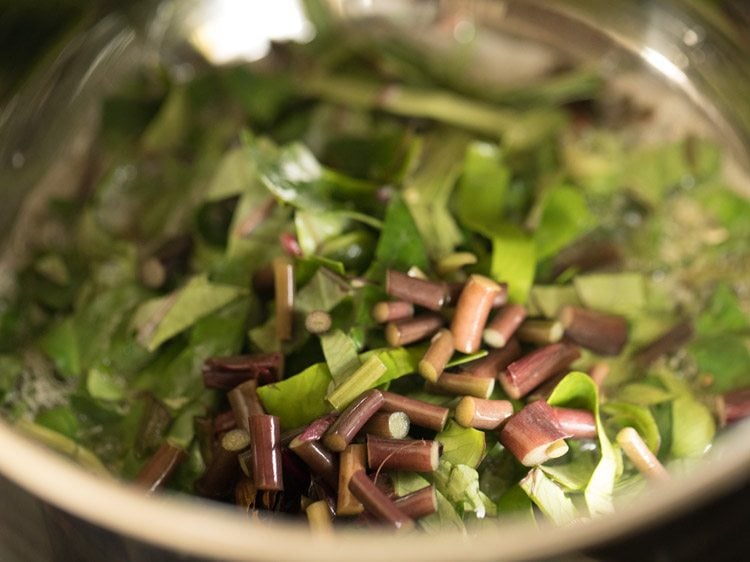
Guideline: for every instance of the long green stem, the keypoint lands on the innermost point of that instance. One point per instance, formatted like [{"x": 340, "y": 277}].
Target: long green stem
[{"x": 358, "y": 382}]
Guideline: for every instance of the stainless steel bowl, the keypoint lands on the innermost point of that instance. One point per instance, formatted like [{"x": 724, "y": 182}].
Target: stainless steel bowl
[{"x": 674, "y": 52}]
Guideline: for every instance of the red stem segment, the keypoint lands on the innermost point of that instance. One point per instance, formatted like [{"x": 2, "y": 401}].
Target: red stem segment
[
  {"x": 605, "y": 334},
  {"x": 419, "y": 455},
  {"x": 423, "y": 414},
  {"x": 427, "y": 294},
  {"x": 352, "y": 419},
  {"x": 390, "y": 311},
  {"x": 482, "y": 414},
  {"x": 377, "y": 503},
  {"x": 500, "y": 329},
  {"x": 473, "y": 308},
  {"x": 320, "y": 460},
  {"x": 496, "y": 361},
  {"x": 734, "y": 406},
  {"x": 418, "y": 504},
  {"x": 160, "y": 467},
  {"x": 534, "y": 435},
  {"x": 264, "y": 440},
  {"x": 669, "y": 342},
  {"x": 525, "y": 374},
  {"x": 244, "y": 402},
  {"x": 410, "y": 330},
  {"x": 579, "y": 424},
  {"x": 225, "y": 373}
]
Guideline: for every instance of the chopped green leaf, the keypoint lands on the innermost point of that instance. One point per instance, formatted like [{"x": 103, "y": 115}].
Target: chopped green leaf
[
  {"x": 196, "y": 299},
  {"x": 462, "y": 445},
  {"x": 400, "y": 245},
  {"x": 693, "y": 427},
  {"x": 428, "y": 190},
  {"x": 479, "y": 197},
  {"x": 638, "y": 417},
  {"x": 578, "y": 390},
  {"x": 565, "y": 216},
  {"x": 513, "y": 261},
  {"x": 548, "y": 497},
  {"x": 618, "y": 293},
  {"x": 341, "y": 355}
]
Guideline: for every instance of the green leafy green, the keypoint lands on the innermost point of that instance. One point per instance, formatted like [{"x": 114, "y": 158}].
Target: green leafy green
[
  {"x": 479, "y": 197},
  {"x": 618, "y": 293},
  {"x": 400, "y": 245},
  {"x": 301, "y": 398},
  {"x": 60, "y": 344},
  {"x": 459, "y": 484},
  {"x": 462, "y": 445},
  {"x": 513, "y": 261},
  {"x": 693, "y": 427},
  {"x": 548, "y": 497},
  {"x": 578, "y": 390},
  {"x": 323, "y": 292},
  {"x": 565, "y": 216},
  {"x": 638, "y": 417},
  {"x": 427, "y": 192},
  {"x": 341, "y": 355},
  {"x": 198, "y": 298}
]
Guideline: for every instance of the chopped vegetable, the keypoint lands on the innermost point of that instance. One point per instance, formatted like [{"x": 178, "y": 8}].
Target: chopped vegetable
[{"x": 296, "y": 286}]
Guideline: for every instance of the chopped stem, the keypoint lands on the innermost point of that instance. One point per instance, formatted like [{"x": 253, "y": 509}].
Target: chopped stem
[
  {"x": 669, "y": 342},
  {"x": 319, "y": 517},
  {"x": 423, "y": 414},
  {"x": 473, "y": 308},
  {"x": 419, "y": 455},
  {"x": 351, "y": 460},
  {"x": 461, "y": 384},
  {"x": 598, "y": 372},
  {"x": 437, "y": 356},
  {"x": 156, "y": 472},
  {"x": 525, "y": 374},
  {"x": 264, "y": 441},
  {"x": 320, "y": 460},
  {"x": 358, "y": 382},
  {"x": 317, "y": 428},
  {"x": 534, "y": 435},
  {"x": 495, "y": 361},
  {"x": 283, "y": 278},
  {"x": 221, "y": 473},
  {"x": 390, "y": 311},
  {"x": 540, "y": 332},
  {"x": 579, "y": 424},
  {"x": 640, "y": 455},
  {"x": 418, "y": 504},
  {"x": 482, "y": 414},
  {"x": 410, "y": 330},
  {"x": 225, "y": 373},
  {"x": 244, "y": 402},
  {"x": 318, "y": 322},
  {"x": 391, "y": 425},
  {"x": 503, "y": 325},
  {"x": 377, "y": 503},
  {"x": 734, "y": 406},
  {"x": 422, "y": 292},
  {"x": 605, "y": 334},
  {"x": 587, "y": 257},
  {"x": 454, "y": 262},
  {"x": 352, "y": 419}
]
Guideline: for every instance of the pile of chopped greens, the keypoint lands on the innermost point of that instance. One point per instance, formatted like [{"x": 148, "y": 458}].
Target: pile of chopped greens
[{"x": 339, "y": 162}]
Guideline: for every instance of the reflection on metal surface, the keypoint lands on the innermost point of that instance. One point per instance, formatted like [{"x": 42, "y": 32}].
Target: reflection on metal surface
[{"x": 232, "y": 30}]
